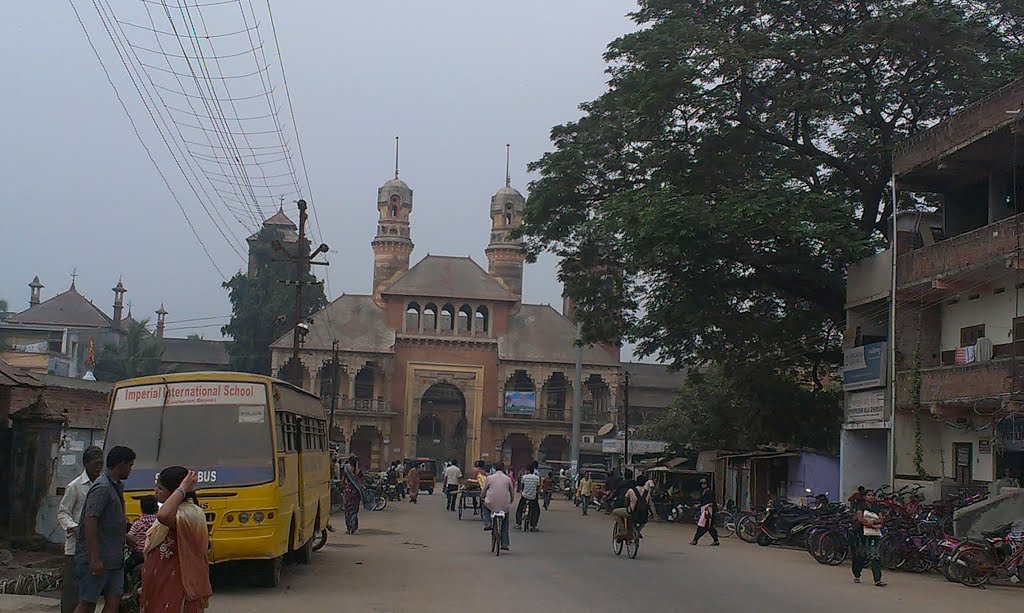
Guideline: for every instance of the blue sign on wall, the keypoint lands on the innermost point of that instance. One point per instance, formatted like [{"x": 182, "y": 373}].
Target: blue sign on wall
[{"x": 864, "y": 367}]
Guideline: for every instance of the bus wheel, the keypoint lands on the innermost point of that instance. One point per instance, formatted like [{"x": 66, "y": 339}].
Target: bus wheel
[
  {"x": 304, "y": 554},
  {"x": 270, "y": 575}
]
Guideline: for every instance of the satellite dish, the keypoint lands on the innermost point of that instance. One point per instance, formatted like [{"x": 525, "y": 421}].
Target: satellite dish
[{"x": 605, "y": 429}]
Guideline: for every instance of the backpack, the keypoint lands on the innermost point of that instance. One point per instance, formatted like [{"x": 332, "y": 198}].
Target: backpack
[
  {"x": 619, "y": 495},
  {"x": 642, "y": 510}
]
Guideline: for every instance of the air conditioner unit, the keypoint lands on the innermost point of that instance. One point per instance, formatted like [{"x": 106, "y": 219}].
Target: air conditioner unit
[{"x": 588, "y": 438}]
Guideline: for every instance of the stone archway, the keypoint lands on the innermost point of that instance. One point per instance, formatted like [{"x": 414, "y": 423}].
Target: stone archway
[
  {"x": 441, "y": 429},
  {"x": 517, "y": 450},
  {"x": 554, "y": 447}
]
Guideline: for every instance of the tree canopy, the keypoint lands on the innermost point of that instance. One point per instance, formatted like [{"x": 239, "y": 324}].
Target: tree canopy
[
  {"x": 262, "y": 307},
  {"x": 708, "y": 203},
  {"x": 137, "y": 355}
]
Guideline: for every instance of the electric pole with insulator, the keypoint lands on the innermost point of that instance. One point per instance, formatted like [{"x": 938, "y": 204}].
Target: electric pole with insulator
[{"x": 302, "y": 262}]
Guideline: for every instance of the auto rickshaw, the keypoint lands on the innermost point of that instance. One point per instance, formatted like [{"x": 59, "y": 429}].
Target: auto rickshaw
[{"x": 428, "y": 473}]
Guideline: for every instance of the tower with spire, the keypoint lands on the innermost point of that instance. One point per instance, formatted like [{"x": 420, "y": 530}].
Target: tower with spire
[
  {"x": 505, "y": 253},
  {"x": 392, "y": 247}
]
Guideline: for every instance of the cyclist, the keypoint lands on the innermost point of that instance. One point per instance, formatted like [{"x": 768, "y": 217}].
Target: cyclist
[
  {"x": 528, "y": 500},
  {"x": 637, "y": 503},
  {"x": 497, "y": 495}
]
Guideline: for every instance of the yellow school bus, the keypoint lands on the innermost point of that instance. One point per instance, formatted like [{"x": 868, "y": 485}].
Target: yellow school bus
[{"x": 258, "y": 444}]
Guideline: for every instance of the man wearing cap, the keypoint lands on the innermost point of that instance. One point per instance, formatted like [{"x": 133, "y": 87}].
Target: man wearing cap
[
  {"x": 69, "y": 515},
  {"x": 706, "y": 522}
]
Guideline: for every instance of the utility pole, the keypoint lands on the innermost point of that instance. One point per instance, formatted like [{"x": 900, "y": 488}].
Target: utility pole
[
  {"x": 335, "y": 376},
  {"x": 625, "y": 434},
  {"x": 302, "y": 262},
  {"x": 577, "y": 404}
]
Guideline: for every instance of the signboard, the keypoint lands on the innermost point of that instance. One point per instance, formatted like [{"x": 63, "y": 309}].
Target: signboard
[
  {"x": 864, "y": 367},
  {"x": 865, "y": 406},
  {"x": 193, "y": 393},
  {"x": 614, "y": 445},
  {"x": 984, "y": 447},
  {"x": 524, "y": 403}
]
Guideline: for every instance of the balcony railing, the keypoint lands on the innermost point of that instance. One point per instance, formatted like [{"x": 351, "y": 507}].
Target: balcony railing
[
  {"x": 965, "y": 383},
  {"x": 369, "y": 405},
  {"x": 988, "y": 245},
  {"x": 556, "y": 414}
]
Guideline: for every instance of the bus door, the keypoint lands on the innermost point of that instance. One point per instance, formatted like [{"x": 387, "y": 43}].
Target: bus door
[{"x": 302, "y": 427}]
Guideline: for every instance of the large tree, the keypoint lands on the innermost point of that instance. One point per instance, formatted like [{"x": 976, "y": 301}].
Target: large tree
[
  {"x": 136, "y": 355},
  {"x": 708, "y": 204},
  {"x": 263, "y": 305}
]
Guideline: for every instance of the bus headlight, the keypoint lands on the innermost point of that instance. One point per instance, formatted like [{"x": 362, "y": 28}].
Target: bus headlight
[
  {"x": 243, "y": 518},
  {"x": 258, "y": 517}
]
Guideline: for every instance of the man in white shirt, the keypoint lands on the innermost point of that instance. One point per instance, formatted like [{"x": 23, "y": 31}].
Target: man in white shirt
[
  {"x": 68, "y": 516},
  {"x": 452, "y": 476},
  {"x": 531, "y": 488}
]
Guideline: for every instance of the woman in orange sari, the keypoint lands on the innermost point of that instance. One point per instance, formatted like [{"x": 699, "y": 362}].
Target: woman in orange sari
[{"x": 175, "y": 574}]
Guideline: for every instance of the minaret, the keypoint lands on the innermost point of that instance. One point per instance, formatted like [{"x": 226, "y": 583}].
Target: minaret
[
  {"x": 505, "y": 254},
  {"x": 37, "y": 288},
  {"x": 161, "y": 321},
  {"x": 392, "y": 246},
  {"x": 119, "y": 292}
]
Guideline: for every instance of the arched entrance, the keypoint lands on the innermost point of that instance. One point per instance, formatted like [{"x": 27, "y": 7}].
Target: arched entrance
[
  {"x": 517, "y": 450},
  {"x": 554, "y": 447},
  {"x": 441, "y": 431}
]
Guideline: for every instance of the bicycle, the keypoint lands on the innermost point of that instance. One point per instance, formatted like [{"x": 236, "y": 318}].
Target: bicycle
[
  {"x": 628, "y": 537},
  {"x": 497, "y": 521}
]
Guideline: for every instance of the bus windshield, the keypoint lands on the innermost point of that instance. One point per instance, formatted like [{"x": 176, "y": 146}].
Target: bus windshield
[{"x": 220, "y": 430}]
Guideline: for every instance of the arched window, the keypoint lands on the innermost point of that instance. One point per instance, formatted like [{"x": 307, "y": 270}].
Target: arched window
[
  {"x": 508, "y": 219},
  {"x": 364, "y": 382},
  {"x": 430, "y": 317},
  {"x": 465, "y": 317},
  {"x": 447, "y": 318},
  {"x": 482, "y": 321},
  {"x": 412, "y": 317}
]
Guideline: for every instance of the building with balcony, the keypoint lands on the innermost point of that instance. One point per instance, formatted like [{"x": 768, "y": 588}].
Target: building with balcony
[
  {"x": 443, "y": 359},
  {"x": 959, "y": 316}
]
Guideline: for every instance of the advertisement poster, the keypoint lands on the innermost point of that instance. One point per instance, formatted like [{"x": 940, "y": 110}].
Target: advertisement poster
[{"x": 523, "y": 403}]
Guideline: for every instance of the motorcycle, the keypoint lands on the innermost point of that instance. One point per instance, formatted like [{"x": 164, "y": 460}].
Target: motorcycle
[{"x": 790, "y": 524}]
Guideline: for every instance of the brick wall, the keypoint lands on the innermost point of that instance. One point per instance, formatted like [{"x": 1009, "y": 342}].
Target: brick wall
[
  {"x": 959, "y": 253},
  {"x": 948, "y": 383},
  {"x": 913, "y": 321},
  {"x": 959, "y": 130}
]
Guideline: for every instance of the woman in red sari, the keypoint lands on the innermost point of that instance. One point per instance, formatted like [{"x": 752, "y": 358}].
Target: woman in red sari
[{"x": 175, "y": 574}]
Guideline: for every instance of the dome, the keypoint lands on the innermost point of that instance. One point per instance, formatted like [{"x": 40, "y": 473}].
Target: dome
[
  {"x": 509, "y": 191},
  {"x": 396, "y": 182}
]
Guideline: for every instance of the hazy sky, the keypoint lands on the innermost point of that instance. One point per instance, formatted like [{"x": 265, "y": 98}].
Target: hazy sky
[{"x": 455, "y": 79}]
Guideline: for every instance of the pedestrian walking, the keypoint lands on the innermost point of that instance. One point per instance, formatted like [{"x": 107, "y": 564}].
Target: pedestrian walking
[
  {"x": 101, "y": 536},
  {"x": 866, "y": 538},
  {"x": 353, "y": 494},
  {"x": 412, "y": 479},
  {"x": 452, "y": 477},
  {"x": 68, "y": 515},
  {"x": 584, "y": 490},
  {"x": 706, "y": 521},
  {"x": 176, "y": 574}
]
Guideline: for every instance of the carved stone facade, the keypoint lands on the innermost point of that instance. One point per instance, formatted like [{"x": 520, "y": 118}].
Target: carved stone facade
[{"x": 444, "y": 360}]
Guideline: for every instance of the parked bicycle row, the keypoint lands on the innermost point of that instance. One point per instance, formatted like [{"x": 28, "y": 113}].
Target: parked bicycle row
[{"x": 891, "y": 530}]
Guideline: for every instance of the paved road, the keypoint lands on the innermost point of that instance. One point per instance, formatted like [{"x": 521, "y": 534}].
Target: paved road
[{"x": 420, "y": 558}]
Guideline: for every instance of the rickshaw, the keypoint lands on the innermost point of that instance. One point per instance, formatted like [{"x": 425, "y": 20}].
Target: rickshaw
[{"x": 428, "y": 473}]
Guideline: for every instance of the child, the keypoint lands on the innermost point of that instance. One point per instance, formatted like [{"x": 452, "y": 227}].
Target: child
[{"x": 137, "y": 533}]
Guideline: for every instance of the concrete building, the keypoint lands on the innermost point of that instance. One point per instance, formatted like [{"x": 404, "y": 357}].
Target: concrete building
[
  {"x": 959, "y": 330},
  {"x": 53, "y": 336},
  {"x": 443, "y": 359}
]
